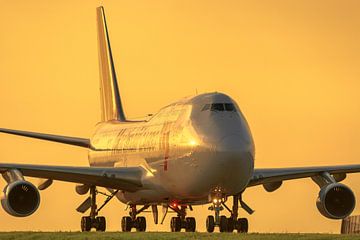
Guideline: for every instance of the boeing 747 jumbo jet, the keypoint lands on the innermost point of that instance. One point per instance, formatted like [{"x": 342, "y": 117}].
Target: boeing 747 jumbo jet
[{"x": 198, "y": 150}]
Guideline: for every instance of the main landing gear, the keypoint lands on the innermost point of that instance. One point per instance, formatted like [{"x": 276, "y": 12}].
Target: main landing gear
[
  {"x": 93, "y": 221},
  {"x": 132, "y": 221},
  {"x": 232, "y": 223},
  {"x": 181, "y": 221},
  {"x": 99, "y": 222}
]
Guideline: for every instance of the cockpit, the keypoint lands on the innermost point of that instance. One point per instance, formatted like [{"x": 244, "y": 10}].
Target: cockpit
[{"x": 229, "y": 107}]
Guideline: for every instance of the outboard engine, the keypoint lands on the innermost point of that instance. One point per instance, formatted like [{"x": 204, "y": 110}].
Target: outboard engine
[
  {"x": 20, "y": 198},
  {"x": 335, "y": 201}
]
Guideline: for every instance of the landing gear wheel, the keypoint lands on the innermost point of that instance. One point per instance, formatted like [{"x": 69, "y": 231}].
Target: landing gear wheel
[
  {"x": 230, "y": 224},
  {"x": 175, "y": 224},
  {"x": 242, "y": 225},
  {"x": 210, "y": 224},
  {"x": 223, "y": 224},
  {"x": 85, "y": 224},
  {"x": 126, "y": 224},
  {"x": 101, "y": 224},
  {"x": 190, "y": 224},
  {"x": 141, "y": 224}
]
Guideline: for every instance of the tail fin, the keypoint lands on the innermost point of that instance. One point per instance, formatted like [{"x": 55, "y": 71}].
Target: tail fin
[{"x": 111, "y": 107}]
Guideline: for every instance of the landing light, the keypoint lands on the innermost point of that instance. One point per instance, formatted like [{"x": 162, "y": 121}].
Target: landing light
[
  {"x": 192, "y": 143},
  {"x": 215, "y": 200}
]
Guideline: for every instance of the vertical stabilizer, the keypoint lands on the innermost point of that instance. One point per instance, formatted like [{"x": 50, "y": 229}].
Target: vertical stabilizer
[{"x": 111, "y": 107}]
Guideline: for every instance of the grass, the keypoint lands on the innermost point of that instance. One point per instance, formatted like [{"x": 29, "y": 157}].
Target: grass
[{"x": 168, "y": 236}]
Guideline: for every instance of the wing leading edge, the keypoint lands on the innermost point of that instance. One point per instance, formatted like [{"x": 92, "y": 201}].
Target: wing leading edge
[
  {"x": 75, "y": 141},
  {"x": 277, "y": 175},
  {"x": 127, "y": 179}
]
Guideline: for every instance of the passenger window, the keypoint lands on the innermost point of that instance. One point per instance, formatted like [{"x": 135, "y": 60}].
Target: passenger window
[
  {"x": 230, "y": 107},
  {"x": 217, "y": 107},
  {"x": 206, "y": 107}
]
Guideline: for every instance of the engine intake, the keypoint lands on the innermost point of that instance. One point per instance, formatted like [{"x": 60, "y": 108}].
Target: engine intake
[
  {"x": 335, "y": 201},
  {"x": 20, "y": 198}
]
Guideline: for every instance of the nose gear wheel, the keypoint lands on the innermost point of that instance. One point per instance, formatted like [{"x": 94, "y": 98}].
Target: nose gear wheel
[{"x": 230, "y": 224}]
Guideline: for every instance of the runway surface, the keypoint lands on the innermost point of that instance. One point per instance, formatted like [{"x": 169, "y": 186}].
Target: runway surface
[{"x": 168, "y": 236}]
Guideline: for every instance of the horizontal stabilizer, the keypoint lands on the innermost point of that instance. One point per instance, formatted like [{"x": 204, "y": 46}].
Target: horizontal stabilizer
[{"x": 75, "y": 141}]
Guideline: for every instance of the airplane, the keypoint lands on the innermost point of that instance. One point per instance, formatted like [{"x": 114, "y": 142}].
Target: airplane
[{"x": 196, "y": 151}]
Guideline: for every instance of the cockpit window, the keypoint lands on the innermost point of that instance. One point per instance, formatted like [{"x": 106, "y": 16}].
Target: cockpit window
[
  {"x": 206, "y": 107},
  {"x": 217, "y": 107},
  {"x": 229, "y": 107}
]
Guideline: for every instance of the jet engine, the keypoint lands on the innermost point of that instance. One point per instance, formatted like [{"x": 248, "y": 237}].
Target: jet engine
[
  {"x": 20, "y": 198},
  {"x": 335, "y": 201}
]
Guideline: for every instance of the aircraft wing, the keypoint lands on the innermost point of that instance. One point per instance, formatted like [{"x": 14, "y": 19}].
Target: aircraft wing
[
  {"x": 75, "y": 141},
  {"x": 277, "y": 175},
  {"x": 127, "y": 179}
]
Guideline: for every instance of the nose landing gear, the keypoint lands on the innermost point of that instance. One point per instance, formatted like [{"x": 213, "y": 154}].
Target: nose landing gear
[
  {"x": 217, "y": 221},
  {"x": 232, "y": 223}
]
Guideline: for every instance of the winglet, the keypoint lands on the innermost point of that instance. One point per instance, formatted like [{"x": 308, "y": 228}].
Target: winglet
[{"x": 111, "y": 107}]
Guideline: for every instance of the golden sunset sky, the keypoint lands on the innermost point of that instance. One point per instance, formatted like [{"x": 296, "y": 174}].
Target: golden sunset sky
[{"x": 292, "y": 66}]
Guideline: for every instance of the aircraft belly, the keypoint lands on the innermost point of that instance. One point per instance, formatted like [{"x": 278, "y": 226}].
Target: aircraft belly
[
  {"x": 191, "y": 180},
  {"x": 142, "y": 197}
]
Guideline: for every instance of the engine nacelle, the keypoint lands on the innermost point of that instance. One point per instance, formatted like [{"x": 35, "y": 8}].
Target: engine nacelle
[
  {"x": 335, "y": 201},
  {"x": 20, "y": 198}
]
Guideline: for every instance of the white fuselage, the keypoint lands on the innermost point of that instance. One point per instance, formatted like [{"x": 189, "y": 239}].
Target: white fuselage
[{"x": 187, "y": 150}]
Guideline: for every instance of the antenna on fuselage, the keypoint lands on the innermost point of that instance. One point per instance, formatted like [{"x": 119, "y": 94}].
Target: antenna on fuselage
[{"x": 111, "y": 106}]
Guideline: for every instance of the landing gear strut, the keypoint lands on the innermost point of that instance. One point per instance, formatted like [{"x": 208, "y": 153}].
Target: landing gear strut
[
  {"x": 228, "y": 224},
  {"x": 93, "y": 221},
  {"x": 181, "y": 221},
  {"x": 132, "y": 221}
]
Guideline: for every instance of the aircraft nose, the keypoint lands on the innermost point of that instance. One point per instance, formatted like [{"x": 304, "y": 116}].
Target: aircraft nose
[
  {"x": 234, "y": 163},
  {"x": 231, "y": 143}
]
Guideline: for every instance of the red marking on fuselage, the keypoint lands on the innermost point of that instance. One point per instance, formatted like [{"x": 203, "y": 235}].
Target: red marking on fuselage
[
  {"x": 166, "y": 155},
  {"x": 164, "y": 143}
]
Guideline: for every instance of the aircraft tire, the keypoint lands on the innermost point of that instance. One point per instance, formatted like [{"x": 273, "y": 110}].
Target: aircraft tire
[
  {"x": 101, "y": 224},
  {"x": 126, "y": 224},
  {"x": 242, "y": 225},
  {"x": 190, "y": 224},
  {"x": 141, "y": 221},
  {"x": 175, "y": 224},
  {"x": 85, "y": 224},
  {"x": 210, "y": 224},
  {"x": 223, "y": 226},
  {"x": 230, "y": 224}
]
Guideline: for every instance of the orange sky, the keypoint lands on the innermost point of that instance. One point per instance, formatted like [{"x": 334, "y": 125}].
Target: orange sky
[{"x": 293, "y": 67}]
